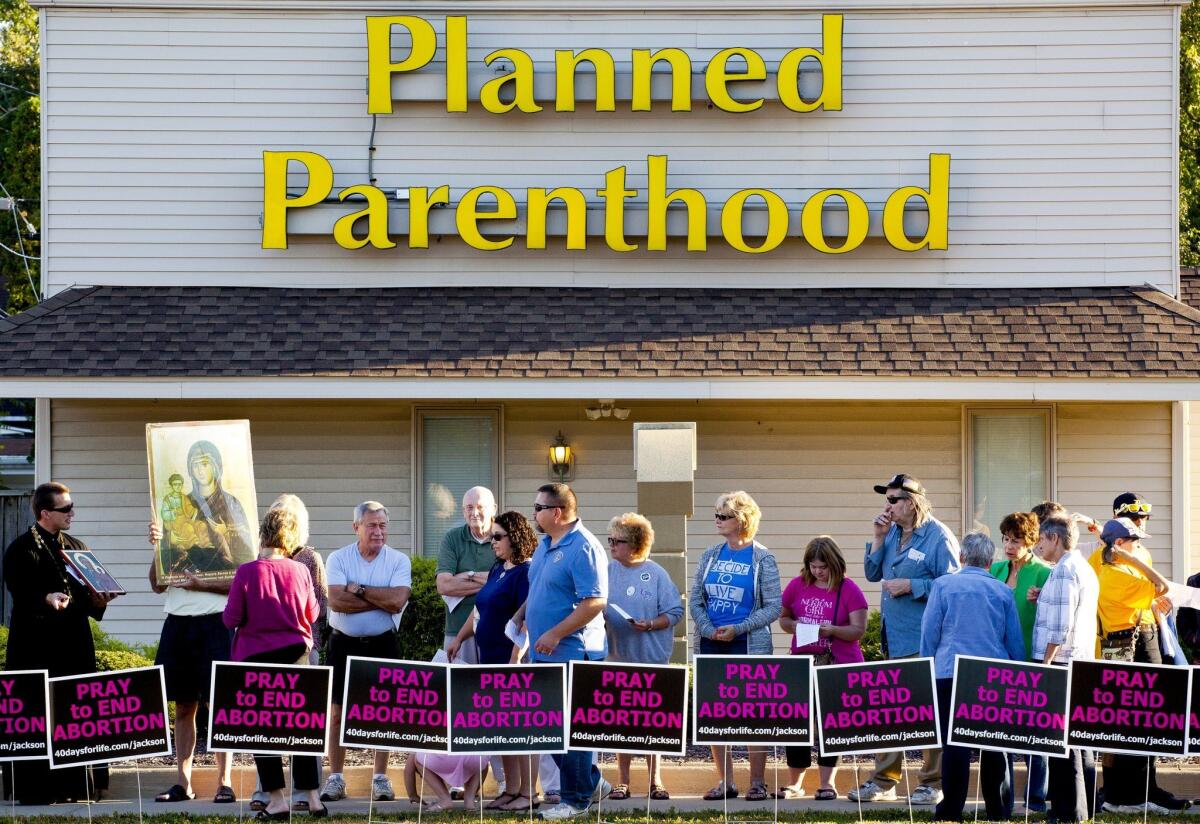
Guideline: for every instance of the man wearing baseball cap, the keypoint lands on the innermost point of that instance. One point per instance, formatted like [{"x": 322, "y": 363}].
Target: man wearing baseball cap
[{"x": 910, "y": 549}]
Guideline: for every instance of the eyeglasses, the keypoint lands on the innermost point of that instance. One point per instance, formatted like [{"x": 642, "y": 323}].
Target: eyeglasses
[
  {"x": 64, "y": 509},
  {"x": 893, "y": 499},
  {"x": 615, "y": 541},
  {"x": 544, "y": 507},
  {"x": 498, "y": 536},
  {"x": 723, "y": 516}
]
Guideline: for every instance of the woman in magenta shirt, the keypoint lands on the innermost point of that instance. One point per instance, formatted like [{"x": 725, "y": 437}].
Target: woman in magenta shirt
[
  {"x": 272, "y": 607},
  {"x": 833, "y": 612}
]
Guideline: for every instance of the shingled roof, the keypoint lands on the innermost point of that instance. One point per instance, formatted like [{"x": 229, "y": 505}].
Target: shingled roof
[{"x": 126, "y": 332}]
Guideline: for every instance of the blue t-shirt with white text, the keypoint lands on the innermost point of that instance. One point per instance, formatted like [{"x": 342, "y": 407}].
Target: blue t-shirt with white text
[{"x": 730, "y": 586}]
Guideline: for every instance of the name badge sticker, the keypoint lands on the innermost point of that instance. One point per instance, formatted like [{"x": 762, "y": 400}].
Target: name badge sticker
[{"x": 916, "y": 555}]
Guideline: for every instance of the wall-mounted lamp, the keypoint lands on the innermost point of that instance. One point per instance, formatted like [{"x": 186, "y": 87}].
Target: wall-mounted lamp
[
  {"x": 561, "y": 460},
  {"x": 606, "y": 409}
]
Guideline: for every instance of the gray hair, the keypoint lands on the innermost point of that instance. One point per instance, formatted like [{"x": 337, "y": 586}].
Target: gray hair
[
  {"x": 290, "y": 503},
  {"x": 1062, "y": 528},
  {"x": 922, "y": 509},
  {"x": 977, "y": 550},
  {"x": 366, "y": 508}
]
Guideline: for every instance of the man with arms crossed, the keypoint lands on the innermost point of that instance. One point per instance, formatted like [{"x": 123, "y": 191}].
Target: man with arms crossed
[{"x": 369, "y": 586}]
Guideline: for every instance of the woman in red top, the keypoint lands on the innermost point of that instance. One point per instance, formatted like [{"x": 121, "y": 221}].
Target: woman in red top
[{"x": 272, "y": 607}]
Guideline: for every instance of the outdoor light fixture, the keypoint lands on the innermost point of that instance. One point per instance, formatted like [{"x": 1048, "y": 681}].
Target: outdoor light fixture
[
  {"x": 606, "y": 409},
  {"x": 561, "y": 460}
]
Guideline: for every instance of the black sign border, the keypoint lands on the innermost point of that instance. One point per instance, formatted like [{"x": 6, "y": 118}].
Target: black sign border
[
  {"x": 560, "y": 665},
  {"x": 46, "y": 687},
  {"x": 391, "y": 747},
  {"x": 1099, "y": 746},
  {"x": 950, "y": 742},
  {"x": 811, "y": 695},
  {"x": 683, "y": 738},
  {"x": 212, "y": 689},
  {"x": 869, "y": 750},
  {"x": 162, "y": 683}
]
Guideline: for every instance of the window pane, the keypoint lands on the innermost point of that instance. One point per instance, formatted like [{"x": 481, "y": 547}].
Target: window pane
[
  {"x": 1008, "y": 467},
  {"x": 457, "y": 453}
]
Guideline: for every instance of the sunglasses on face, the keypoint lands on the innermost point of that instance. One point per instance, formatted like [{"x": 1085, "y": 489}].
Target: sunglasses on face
[
  {"x": 498, "y": 536},
  {"x": 722, "y": 516},
  {"x": 64, "y": 509},
  {"x": 1137, "y": 509},
  {"x": 544, "y": 507},
  {"x": 895, "y": 499}
]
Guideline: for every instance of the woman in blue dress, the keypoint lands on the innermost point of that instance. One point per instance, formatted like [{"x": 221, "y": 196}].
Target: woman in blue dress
[{"x": 513, "y": 541}]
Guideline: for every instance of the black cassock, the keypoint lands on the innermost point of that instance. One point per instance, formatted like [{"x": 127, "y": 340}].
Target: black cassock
[{"x": 59, "y": 641}]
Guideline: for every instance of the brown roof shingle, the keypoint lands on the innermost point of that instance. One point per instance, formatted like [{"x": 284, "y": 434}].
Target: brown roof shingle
[{"x": 110, "y": 332}]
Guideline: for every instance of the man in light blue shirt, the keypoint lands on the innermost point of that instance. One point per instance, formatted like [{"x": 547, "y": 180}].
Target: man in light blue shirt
[
  {"x": 971, "y": 613},
  {"x": 911, "y": 548},
  {"x": 564, "y": 615}
]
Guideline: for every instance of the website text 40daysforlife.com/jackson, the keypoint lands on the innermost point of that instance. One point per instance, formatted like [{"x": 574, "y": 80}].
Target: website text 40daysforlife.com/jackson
[{"x": 514, "y": 92}]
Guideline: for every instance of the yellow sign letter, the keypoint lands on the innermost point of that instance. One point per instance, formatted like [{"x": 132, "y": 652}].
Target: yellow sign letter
[
  {"x": 937, "y": 202},
  {"x": 380, "y": 67},
  {"x": 275, "y": 197},
  {"x": 788, "y": 78}
]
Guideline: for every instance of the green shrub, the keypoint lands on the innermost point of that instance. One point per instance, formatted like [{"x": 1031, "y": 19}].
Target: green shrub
[
  {"x": 103, "y": 641},
  {"x": 3, "y": 646},
  {"x": 108, "y": 660},
  {"x": 872, "y": 642},
  {"x": 424, "y": 624}
]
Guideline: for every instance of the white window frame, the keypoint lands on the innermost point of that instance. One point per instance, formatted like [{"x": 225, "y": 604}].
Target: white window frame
[
  {"x": 420, "y": 413},
  {"x": 969, "y": 411}
]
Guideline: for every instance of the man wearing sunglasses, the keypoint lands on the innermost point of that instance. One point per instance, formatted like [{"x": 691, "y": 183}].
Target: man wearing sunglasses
[
  {"x": 568, "y": 590},
  {"x": 909, "y": 550},
  {"x": 49, "y": 628}
]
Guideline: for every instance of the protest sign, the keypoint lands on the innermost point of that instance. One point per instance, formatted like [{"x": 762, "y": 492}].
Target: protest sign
[
  {"x": 752, "y": 699},
  {"x": 269, "y": 709},
  {"x": 882, "y": 706},
  {"x": 24, "y": 697},
  {"x": 395, "y": 705},
  {"x": 108, "y": 716},
  {"x": 509, "y": 708},
  {"x": 1011, "y": 706},
  {"x": 633, "y": 708},
  {"x": 1140, "y": 709},
  {"x": 1194, "y": 715}
]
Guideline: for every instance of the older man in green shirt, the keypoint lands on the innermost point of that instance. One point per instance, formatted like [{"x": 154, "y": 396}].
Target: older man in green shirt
[{"x": 463, "y": 563}]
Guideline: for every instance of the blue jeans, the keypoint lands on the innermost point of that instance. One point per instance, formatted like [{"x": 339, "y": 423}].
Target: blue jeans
[
  {"x": 738, "y": 646},
  {"x": 577, "y": 778},
  {"x": 1037, "y": 780}
]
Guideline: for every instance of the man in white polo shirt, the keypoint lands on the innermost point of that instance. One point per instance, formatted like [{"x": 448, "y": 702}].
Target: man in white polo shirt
[{"x": 369, "y": 586}]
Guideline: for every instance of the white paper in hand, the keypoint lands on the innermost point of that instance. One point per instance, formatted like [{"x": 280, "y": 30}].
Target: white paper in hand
[
  {"x": 440, "y": 657},
  {"x": 617, "y": 609},
  {"x": 807, "y": 634},
  {"x": 1183, "y": 596},
  {"x": 514, "y": 634}
]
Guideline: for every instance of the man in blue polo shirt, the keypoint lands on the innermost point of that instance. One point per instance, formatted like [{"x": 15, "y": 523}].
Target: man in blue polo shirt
[{"x": 564, "y": 615}]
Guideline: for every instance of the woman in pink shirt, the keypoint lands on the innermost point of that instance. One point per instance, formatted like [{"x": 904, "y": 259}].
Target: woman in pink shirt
[
  {"x": 833, "y": 613},
  {"x": 272, "y": 607}
]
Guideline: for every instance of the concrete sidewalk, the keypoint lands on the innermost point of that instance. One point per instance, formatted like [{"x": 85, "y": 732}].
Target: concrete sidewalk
[{"x": 687, "y": 782}]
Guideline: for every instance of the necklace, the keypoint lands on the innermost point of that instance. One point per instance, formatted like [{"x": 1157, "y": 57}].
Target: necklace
[{"x": 37, "y": 536}]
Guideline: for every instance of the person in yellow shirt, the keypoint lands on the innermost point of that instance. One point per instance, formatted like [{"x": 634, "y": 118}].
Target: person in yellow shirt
[{"x": 1129, "y": 586}]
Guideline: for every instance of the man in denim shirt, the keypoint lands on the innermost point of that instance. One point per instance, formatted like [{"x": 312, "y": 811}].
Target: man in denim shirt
[{"x": 910, "y": 549}]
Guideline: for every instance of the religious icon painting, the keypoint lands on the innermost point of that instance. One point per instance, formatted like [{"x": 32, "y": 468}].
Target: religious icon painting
[{"x": 202, "y": 493}]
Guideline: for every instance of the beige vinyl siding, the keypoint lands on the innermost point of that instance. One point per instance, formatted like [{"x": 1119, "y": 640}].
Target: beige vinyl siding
[
  {"x": 1107, "y": 449},
  {"x": 333, "y": 455},
  {"x": 1059, "y": 123},
  {"x": 810, "y": 466}
]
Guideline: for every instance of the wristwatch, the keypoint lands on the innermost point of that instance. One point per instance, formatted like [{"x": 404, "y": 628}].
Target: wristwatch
[{"x": 360, "y": 591}]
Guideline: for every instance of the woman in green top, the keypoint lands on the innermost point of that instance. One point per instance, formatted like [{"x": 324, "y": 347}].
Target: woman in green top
[{"x": 1025, "y": 573}]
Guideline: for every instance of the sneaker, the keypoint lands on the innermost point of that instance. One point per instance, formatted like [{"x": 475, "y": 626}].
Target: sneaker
[
  {"x": 925, "y": 796},
  {"x": 603, "y": 790},
  {"x": 560, "y": 812},
  {"x": 1135, "y": 809},
  {"x": 381, "y": 789},
  {"x": 870, "y": 791},
  {"x": 456, "y": 793},
  {"x": 335, "y": 789}
]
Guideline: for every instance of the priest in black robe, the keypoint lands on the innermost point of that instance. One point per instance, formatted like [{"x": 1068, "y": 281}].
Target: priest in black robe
[{"x": 49, "y": 628}]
